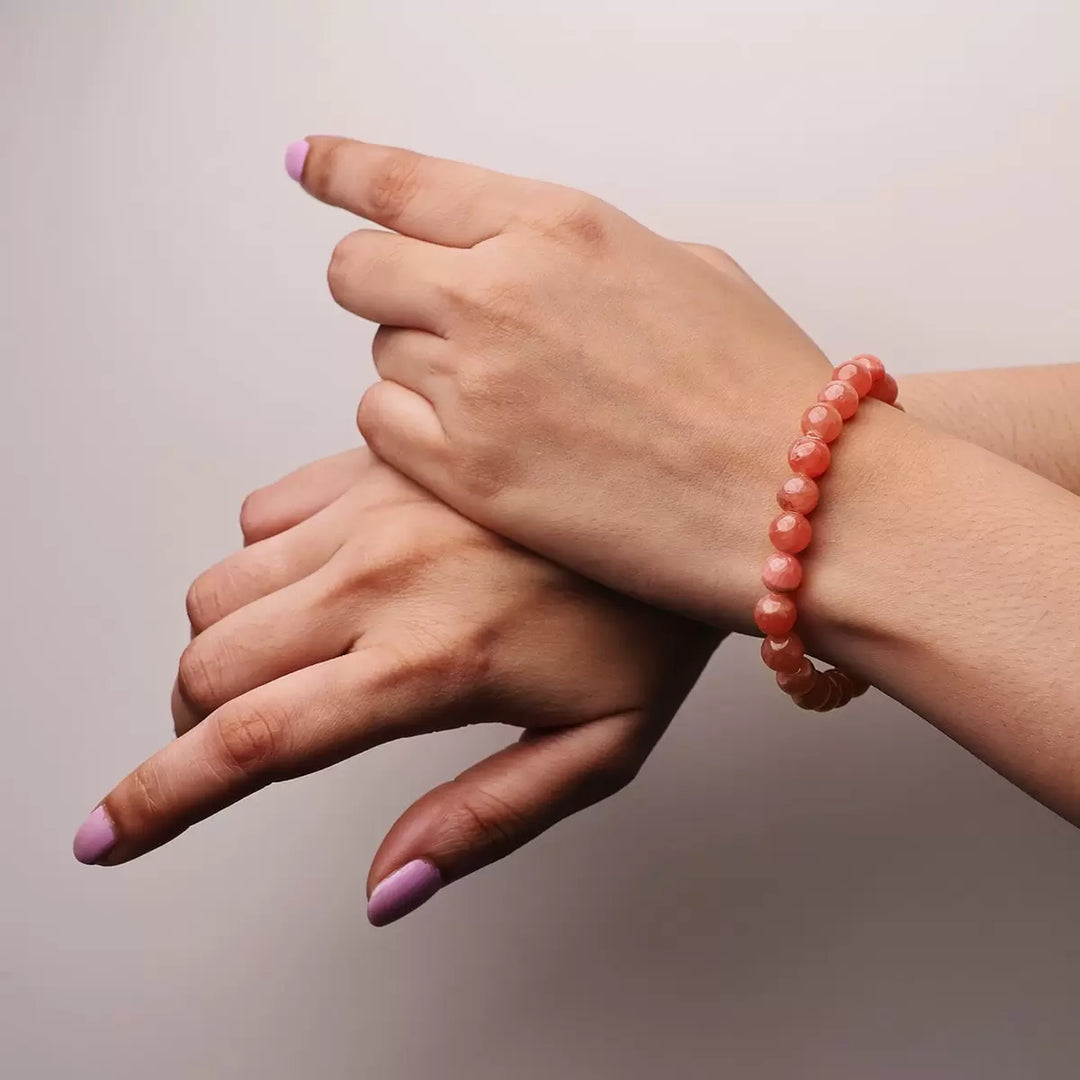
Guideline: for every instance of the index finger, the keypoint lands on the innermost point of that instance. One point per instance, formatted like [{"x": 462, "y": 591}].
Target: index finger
[
  {"x": 297, "y": 724},
  {"x": 443, "y": 202}
]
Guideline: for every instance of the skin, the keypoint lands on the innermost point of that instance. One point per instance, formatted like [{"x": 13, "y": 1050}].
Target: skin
[
  {"x": 362, "y": 610},
  {"x": 561, "y": 374},
  {"x": 333, "y": 571},
  {"x": 292, "y": 528},
  {"x": 1029, "y": 415}
]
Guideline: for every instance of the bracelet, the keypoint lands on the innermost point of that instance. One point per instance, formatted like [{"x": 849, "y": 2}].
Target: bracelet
[{"x": 809, "y": 457}]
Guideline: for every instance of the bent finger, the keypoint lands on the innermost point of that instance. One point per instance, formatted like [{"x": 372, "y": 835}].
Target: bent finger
[
  {"x": 502, "y": 803},
  {"x": 266, "y": 566},
  {"x": 387, "y": 278},
  {"x": 301, "y": 624},
  {"x": 301, "y": 494}
]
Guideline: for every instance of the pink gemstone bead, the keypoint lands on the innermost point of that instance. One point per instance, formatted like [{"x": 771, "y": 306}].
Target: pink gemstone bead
[
  {"x": 842, "y": 397},
  {"x": 798, "y": 682},
  {"x": 775, "y": 614},
  {"x": 790, "y": 532},
  {"x": 873, "y": 365},
  {"x": 819, "y": 692},
  {"x": 856, "y": 375},
  {"x": 832, "y": 698},
  {"x": 822, "y": 421},
  {"x": 782, "y": 573},
  {"x": 886, "y": 390},
  {"x": 858, "y": 686},
  {"x": 809, "y": 456},
  {"x": 845, "y": 690},
  {"x": 783, "y": 654},
  {"x": 798, "y": 493}
]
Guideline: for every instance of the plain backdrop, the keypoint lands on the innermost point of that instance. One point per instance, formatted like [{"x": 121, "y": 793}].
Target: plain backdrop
[{"x": 844, "y": 897}]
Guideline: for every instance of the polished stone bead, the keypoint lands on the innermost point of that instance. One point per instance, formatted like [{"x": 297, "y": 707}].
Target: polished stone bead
[
  {"x": 798, "y": 682},
  {"x": 783, "y": 654},
  {"x": 809, "y": 456},
  {"x": 858, "y": 686},
  {"x": 832, "y": 698},
  {"x": 798, "y": 493},
  {"x": 823, "y": 422},
  {"x": 819, "y": 692},
  {"x": 790, "y": 532},
  {"x": 844, "y": 686},
  {"x": 886, "y": 390},
  {"x": 842, "y": 397},
  {"x": 856, "y": 375},
  {"x": 873, "y": 365},
  {"x": 775, "y": 614},
  {"x": 782, "y": 573}
]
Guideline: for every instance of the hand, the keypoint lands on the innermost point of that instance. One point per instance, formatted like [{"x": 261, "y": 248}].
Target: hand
[
  {"x": 363, "y": 610},
  {"x": 568, "y": 378}
]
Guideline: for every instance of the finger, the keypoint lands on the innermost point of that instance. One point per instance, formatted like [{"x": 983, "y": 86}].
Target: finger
[
  {"x": 417, "y": 360},
  {"x": 500, "y": 804},
  {"x": 393, "y": 279},
  {"x": 305, "y": 721},
  {"x": 445, "y": 202},
  {"x": 294, "y": 498},
  {"x": 265, "y": 567},
  {"x": 399, "y": 425},
  {"x": 302, "y": 624}
]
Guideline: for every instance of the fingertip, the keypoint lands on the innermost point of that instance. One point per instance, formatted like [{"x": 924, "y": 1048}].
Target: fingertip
[
  {"x": 295, "y": 155},
  {"x": 403, "y": 891},
  {"x": 95, "y": 838}
]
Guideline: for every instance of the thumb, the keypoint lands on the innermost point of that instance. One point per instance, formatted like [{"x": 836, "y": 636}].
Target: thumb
[{"x": 502, "y": 803}]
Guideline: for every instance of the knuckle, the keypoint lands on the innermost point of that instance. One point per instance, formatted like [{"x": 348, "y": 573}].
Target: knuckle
[
  {"x": 254, "y": 519},
  {"x": 342, "y": 267},
  {"x": 252, "y": 741},
  {"x": 146, "y": 796},
  {"x": 205, "y": 601},
  {"x": 382, "y": 344},
  {"x": 393, "y": 185},
  {"x": 323, "y": 170},
  {"x": 484, "y": 470},
  {"x": 198, "y": 677},
  {"x": 489, "y": 821},
  {"x": 370, "y": 415},
  {"x": 578, "y": 218}
]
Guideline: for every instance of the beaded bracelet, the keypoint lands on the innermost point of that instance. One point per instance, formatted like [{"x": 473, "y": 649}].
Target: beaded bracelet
[{"x": 790, "y": 533}]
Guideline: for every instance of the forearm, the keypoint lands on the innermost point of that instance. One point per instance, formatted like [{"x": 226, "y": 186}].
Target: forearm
[
  {"x": 1030, "y": 415},
  {"x": 948, "y": 577}
]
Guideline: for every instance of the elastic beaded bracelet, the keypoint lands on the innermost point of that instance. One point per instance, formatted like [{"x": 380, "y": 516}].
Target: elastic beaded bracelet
[{"x": 790, "y": 532}]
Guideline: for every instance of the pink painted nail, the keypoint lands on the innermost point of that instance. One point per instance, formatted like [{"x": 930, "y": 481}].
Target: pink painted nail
[
  {"x": 295, "y": 155},
  {"x": 403, "y": 891},
  {"x": 95, "y": 837}
]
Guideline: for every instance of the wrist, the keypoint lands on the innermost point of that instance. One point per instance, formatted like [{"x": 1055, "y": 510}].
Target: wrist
[{"x": 865, "y": 536}]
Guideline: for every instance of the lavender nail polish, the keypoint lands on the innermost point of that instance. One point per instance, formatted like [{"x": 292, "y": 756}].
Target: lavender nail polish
[
  {"x": 95, "y": 837},
  {"x": 403, "y": 891},
  {"x": 295, "y": 155}
]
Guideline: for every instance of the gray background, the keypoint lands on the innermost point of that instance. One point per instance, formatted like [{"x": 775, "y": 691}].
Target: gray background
[{"x": 777, "y": 896}]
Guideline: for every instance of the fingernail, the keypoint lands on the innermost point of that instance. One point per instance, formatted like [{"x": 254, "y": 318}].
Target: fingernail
[
  {"x": 95, "y": 837},
  {"x": 295, "y": 155},
  {"x": 403, "y": 891}
]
